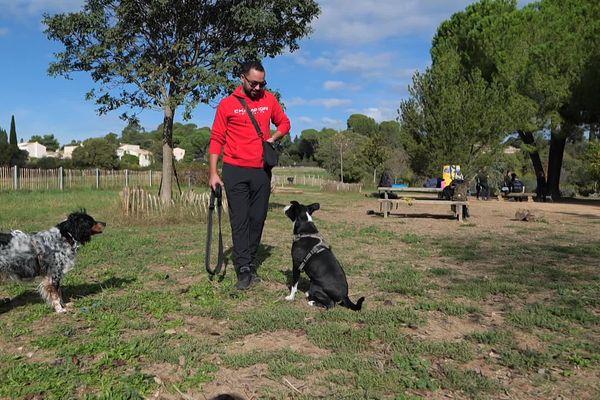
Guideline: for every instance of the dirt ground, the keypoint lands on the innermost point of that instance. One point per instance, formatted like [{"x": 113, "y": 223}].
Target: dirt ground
[{"x": 492, "y": 216}]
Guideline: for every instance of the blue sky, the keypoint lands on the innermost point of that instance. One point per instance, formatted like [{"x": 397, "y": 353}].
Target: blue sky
[{"x": 359, "y": 59}]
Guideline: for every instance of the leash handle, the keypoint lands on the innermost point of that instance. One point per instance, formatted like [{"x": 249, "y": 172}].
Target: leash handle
[{"x": 216, "y": 197}]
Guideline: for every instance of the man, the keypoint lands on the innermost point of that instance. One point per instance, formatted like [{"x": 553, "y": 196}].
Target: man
[{"x": 247, "y": 183}]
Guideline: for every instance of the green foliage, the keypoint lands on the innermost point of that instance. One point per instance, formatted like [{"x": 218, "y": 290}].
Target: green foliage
[
  {"x": 166, "y": 54},
  {"x": 362, "y": 124},
  {"x": 49, "y": 141},
  {"x": 341, "y": 154},
  {"x": 98, "y": 153}
]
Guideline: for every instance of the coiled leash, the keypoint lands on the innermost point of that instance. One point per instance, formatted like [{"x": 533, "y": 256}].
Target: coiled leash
[{"x": 216, "y": 194}]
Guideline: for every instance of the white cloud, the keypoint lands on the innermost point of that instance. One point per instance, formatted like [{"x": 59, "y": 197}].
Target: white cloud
[
  {"x": 380, "y": 114},
  {"x": 369, "y": 21},
  {"x": 333, "y": 85},
  {"x": 327, "y": 103},
  {"x": 333, "y": 123},
  {"x": 331, "y": 103},
  {"x": 35, "y": 8},
  {"x": 304, "y": 120}
]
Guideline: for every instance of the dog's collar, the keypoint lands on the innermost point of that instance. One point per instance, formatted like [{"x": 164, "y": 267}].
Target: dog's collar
[
  {"x": 317, "y": 248},
  {"x": 71, "y": 240}
]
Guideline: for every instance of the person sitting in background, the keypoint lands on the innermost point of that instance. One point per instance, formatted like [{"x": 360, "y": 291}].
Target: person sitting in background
[
  {"x": 386, "y": 180},
  {"x": 516, "y": 186}
]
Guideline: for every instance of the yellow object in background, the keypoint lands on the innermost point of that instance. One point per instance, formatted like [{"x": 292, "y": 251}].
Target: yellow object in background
[{"x": 449, "y": 173}]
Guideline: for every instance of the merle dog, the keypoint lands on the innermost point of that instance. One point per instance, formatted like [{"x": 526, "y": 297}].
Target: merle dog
[
  {"x": 328, "y": 284},
  {"x": 49, "y": 254}
]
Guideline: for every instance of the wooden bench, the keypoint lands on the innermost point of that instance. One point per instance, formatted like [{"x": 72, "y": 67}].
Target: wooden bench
[
  {"x": 417, "y": 195},
  {"x": 517, "y": 196}
]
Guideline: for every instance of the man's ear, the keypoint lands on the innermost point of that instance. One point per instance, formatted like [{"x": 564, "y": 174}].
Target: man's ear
[{"x": 313, "y": 207}]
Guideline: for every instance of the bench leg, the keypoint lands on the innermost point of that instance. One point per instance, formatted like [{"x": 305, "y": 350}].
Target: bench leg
[{"x": 460, "y": 213}]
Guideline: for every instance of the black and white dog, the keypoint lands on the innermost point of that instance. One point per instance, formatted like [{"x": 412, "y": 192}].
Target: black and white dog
[
  {"x": 328, "y": 284},
  {"x": 49, "y": 254}
]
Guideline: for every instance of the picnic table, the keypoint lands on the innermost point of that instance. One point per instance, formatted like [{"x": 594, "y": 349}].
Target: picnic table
[{"x": 417, "y": 195}]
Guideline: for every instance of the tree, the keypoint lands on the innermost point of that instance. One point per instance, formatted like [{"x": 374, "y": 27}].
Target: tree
[
  {"x": 5, "y": 150},
  {"x": 16, "y": 156},
  {"x": 163, "y": 54},
  {"x": 96, "y": 152},
  {"x": 545, "y": 56},
  {"x": 451, "y": 118},
  {"x": 362, "y": 124},
  {"x": 341, "y": 155},
  {"x": 49, "y": 141},
  {"x": 592, "y": 158}
]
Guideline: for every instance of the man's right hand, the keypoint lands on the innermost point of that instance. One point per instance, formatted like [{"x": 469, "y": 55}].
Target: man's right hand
[{"x": 214, "y": 180}]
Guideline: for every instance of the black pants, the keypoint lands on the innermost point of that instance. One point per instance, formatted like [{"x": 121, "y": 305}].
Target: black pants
[{"x": 248, "y": 191}]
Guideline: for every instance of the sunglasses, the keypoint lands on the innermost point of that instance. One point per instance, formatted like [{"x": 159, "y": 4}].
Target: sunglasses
[{"x": 254, "y": 84}]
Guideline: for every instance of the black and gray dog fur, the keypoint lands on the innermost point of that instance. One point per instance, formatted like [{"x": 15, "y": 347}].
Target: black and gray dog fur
[
  {"x": 49, "y": 254},
  {"x": 328, "y": 284}
]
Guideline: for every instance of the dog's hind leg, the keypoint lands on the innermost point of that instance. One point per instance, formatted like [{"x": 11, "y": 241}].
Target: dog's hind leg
[
  {"x": 51, "y": 293},
  {"x": 316, "y": 293}
]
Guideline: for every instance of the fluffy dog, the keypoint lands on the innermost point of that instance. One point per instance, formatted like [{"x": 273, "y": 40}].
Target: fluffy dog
[
  {"x": 49, "y": 254},
  {"x": 328, "y": 284}
]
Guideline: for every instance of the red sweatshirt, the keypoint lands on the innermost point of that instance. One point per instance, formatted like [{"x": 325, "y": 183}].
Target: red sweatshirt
[{"x": 233, "y": 129}]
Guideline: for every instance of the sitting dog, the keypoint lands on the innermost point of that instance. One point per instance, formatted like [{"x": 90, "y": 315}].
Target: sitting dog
[
  {"x": 328, "y": 284},
  {"x": 48, "y": 254}
]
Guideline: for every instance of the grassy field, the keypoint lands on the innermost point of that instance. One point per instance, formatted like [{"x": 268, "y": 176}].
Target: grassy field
[{"x": 451, "y": 311}]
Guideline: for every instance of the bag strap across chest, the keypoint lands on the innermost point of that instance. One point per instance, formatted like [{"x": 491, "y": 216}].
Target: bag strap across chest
[{"x": 251, "y": 115}]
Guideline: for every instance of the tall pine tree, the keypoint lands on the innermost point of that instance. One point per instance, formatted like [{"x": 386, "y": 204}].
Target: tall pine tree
[
  {"x": 17, "y": 156},
  {"x": 5, "y": 152}
]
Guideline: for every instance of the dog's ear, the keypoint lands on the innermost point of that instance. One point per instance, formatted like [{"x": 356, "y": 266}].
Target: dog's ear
[
  {"x": 313, "y": 207},
  {"x": 292, "y": 210}
]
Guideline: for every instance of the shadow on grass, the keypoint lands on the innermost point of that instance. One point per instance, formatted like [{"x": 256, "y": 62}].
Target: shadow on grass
[{"x": 69, "y": 292}]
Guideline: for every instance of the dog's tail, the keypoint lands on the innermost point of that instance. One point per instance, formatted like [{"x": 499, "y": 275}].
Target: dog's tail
[{"x": 348, "y": 303}]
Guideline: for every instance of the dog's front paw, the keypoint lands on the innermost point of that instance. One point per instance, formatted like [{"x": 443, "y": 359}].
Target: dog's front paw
[
  {"x": 290, "y": 297},
  {"x": 311, "y": 303},
  {"x": 60, "y": 310}
]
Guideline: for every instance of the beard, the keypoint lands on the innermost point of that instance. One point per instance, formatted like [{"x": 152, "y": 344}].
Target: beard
[{"x": 254, "y": 94}]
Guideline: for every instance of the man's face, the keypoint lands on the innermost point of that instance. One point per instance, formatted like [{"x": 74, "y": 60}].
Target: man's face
[{"x": 254, "y": 83}]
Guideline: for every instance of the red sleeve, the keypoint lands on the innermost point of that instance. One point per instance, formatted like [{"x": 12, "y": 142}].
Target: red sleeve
[
  {"x": 279, "y": 118},
  {"x": 219, "y": 127}
]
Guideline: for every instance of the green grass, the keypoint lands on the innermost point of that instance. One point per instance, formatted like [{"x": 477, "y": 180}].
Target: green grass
[{"x": 442, "y": 310}]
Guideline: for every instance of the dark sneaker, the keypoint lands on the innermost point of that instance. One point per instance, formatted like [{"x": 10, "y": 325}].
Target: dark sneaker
[{"x": 244, "y": 279}]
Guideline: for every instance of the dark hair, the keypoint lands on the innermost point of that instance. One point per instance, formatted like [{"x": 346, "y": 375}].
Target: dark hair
[{"x": 248, "y": 65}]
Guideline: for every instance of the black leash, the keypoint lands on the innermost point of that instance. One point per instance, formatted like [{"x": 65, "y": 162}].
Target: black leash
[{"x": 218, "y": 196}]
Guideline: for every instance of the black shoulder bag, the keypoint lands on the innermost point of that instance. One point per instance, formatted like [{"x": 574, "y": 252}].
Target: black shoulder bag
[
  {"x": 270, "y": 156},
  {"x": 215, "y": 195}
]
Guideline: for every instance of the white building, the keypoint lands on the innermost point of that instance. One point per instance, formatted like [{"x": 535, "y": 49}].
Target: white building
[
  {"x": 68, "y": 151},
  {"x": 178, "y": 153},
  {"x": 34, "y": 149},
  {"x": 144, "y": 156}
]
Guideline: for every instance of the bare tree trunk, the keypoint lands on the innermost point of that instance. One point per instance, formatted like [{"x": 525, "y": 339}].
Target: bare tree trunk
[
  {"x": 166, "y": 189},
  {"x": 558, "y": 141},
  {"x": 341, "y": 165},
  {"x": 527, "y": 138}
]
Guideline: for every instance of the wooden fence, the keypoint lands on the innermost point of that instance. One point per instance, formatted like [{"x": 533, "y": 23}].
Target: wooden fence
[
  {"x": 34, "y": 179},
  {"x": 326, "y": 185}
]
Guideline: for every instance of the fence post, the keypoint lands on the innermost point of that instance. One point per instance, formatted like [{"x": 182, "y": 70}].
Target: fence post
[
  {"x": 61, "y": 182},
  {"x": 126, "y": 177},
  {"x": 97, "y": 178},
  {"x": 15, "y": 178},
  {"x": 150, "y": 171}
]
